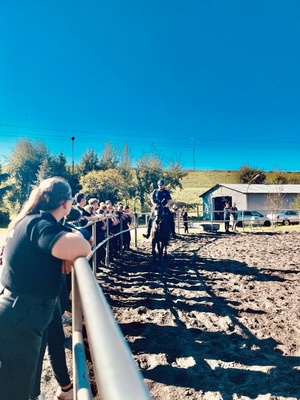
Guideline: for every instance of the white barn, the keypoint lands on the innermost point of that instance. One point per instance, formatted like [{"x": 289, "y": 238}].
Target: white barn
[{"x": 246, "y": 196}]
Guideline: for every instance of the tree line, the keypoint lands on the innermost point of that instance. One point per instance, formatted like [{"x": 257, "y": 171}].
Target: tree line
[{"x": 109, "y": 175}]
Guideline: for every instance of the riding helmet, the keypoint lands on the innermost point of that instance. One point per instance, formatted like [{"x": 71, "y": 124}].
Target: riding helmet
[{"x": 161, "y": 182}]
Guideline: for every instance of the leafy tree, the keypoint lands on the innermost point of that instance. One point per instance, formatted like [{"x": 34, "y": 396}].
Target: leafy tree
[
  {"x": 297, "y": 202},
  {"x": 4, "y": 214},
  {"x": 53, "y": 166},
  {"x": 104, "y": 185},
  {"x": 247, "y": 174},
  {"x": 89, "y": 162},
  {"x": 174, "y": 175},
  {"x": 149, "y": 170},
  {"x": 277, "y": 178},
  {"x": 3, "y": 178},
  {"x": 109, "y": 157},
  {"x": 23, "y": 166},
  {"x": 125, "y": 169}
]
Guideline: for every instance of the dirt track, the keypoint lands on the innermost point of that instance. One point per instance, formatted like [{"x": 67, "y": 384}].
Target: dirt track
[{"x": 219, "y": 320}]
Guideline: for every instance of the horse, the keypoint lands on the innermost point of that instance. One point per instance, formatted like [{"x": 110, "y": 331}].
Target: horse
[{"x": 160, "y": 232}]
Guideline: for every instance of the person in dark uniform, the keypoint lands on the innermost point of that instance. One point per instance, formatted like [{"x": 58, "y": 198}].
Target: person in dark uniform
[
  {"x": 54, "y": 338},
  {"x": 161, "y": 196},
  {"x": 234, "y": 214},
  {"x": 38, "y": 250},
  {"x": 185, "y": 219},
  {"x": 227, "y": 216}
]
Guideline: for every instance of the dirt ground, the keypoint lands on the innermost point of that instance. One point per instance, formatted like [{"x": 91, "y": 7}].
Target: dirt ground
[{"x": 218, "y": 320}]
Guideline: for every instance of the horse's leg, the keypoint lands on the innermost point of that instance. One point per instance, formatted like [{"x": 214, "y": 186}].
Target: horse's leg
[
  {"x": 165, "y": 248},
  {"x": 153, "y": 251},
  {"x": 160, "y": 251}
]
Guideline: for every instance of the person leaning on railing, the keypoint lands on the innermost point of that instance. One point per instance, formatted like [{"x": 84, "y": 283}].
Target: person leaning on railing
[{"x": 38, "y": 250}]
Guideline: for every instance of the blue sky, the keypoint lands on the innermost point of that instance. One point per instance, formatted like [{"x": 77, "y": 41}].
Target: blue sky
[{"x": 215, "y": 84}]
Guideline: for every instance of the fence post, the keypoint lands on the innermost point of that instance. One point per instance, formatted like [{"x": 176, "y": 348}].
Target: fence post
[{"x": 80, "y": 372}]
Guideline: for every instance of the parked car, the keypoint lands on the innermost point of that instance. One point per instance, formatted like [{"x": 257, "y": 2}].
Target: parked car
[
  {"x": 253, "y": 218},
  {"x": 287, "y": 217}
]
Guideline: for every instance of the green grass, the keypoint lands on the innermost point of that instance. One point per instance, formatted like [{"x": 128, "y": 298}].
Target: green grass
[
  {"x": 207, "y": 179},
  {"x": 198, "y": 182}
]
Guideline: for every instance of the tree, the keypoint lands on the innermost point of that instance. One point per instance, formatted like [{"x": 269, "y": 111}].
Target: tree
[
  {"x": 23, "y": 166},
  {"x": 125, "y": 169},
  {"x": 53, "y": 166},
  {"x": 277, "y": 178},
  {"x": 297, "y": 202},
  {"x": 89, "y": 162},
  {"x": 247, "y": 174},
  {"x": 3, "y": 178},
  {"x": 104, "y": 185},
  {"x": 109, "y": 157},
  {"x": 4, "y": 214},
  {"x": 275, "y": 202},
  {"x": 174, "y": 175},
  {"x": 149, "y": 170}
]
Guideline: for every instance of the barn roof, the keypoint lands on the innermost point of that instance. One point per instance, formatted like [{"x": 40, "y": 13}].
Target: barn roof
[{"x": 255, "y": 188}]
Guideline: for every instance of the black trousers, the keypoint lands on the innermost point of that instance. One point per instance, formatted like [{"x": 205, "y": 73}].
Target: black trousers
[{"x": 22, "y": 325}]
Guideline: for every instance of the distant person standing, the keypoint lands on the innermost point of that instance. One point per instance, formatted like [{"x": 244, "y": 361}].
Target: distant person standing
[
  {"x": 185, "y": 217},
  {"x": 227, "y": 216},
  {"x": 234, "y": 213}
]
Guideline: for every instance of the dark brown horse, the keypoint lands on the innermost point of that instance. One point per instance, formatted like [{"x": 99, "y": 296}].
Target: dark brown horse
[{"x": 160, "y": 233}]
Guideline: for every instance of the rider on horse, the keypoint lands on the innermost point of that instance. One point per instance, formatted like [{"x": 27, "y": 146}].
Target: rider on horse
[{"x": 161, "y": 196}]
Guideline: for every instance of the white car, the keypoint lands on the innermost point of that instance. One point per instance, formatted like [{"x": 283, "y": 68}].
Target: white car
[
  {"x": 252, "y": 218},
  {"x": 287, "y": 217}
]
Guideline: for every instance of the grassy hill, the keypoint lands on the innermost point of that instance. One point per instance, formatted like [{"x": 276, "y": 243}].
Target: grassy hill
[{"x": 197, "y": 182}]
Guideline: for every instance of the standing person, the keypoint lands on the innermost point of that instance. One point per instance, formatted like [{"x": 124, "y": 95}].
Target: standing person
[
  {"x": 234, "y": 213},
  {"x": 227, "y": 216},
  {"x": 173, "y": 212},
  {"x": 54, "y": 337},
  {"x": 185, "y": 218},
  {"x": 126, "y": 224},
  {"x": 161, "y": 196},
  {"x": 80, "y": 200},
  {"x": 38, "y": 250}
]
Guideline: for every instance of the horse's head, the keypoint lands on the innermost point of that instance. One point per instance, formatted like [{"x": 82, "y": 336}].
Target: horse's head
[
  {"x": 159, "y": 213},
  {"x": 160, "y": 226},
  {"x": 159, "y": 210}
]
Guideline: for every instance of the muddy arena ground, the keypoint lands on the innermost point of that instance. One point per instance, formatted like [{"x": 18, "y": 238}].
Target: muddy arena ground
[{"x": 218, "y": 320}]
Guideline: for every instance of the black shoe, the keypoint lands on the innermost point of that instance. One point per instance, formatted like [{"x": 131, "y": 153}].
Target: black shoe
[{"x": 146, "y": 236}]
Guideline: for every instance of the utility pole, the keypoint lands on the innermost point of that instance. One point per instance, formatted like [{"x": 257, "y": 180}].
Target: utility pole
[{"x": 72, "y": 138}]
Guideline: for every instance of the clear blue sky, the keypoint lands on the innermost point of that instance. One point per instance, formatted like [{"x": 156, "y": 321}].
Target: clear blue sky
[{"x": 213, "y": 83}]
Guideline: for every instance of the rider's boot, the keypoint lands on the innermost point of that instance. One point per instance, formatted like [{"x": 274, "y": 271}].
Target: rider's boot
[{"x": 147, "y": 235}]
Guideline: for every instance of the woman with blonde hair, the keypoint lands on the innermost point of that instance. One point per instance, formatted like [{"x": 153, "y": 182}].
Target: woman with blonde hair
[{"x": 38, "y": 250}]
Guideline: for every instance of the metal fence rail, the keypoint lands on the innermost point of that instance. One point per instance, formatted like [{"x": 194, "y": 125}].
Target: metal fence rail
[{"x": 117, "y": 376}]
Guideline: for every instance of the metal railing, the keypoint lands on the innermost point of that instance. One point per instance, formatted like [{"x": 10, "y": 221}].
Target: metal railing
[{"x": 116, "y": 373}]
